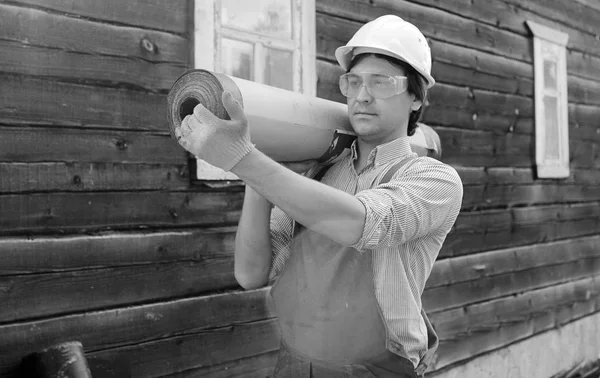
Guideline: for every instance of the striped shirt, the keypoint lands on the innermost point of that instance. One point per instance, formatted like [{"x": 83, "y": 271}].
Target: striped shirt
[{"x": 407, "y": 220}]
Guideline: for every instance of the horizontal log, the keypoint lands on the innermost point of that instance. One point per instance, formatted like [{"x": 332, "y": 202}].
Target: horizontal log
[
  {"x": 583, "y": 91},
  {"x": 27, "y": 100},
  {"x": 132, "y": 325},
  {"x": 447, "y": 297},
  {"x": 157, "y": 14},
  {"x": 473, "y": 175},
  {"x": 584, "y": 115},
  {"x": 16, "y": 58},
  {"x": 583, "y": 65},
  {"x": 493, "y": 196},
  {"x": 479, "y": 109},
  {"x": 463, "y": 322},
  {"x": 92, "y": 211},
  {"x": 78, "y": 177},
  {"x": 260, "y": 366},
  {"x": 574, "y": 15},
  {"x": 493, "y": 229},
  {"x": 505, "y": 261},
  {"x": 512, "y": 14},
  {"x": 465, "y": 66},
  {"x": 585, "y": 154},
  {"x": 452, "y": 352},
  {"x": 43, "y": 29},
  {"x": 21, "y": 255},
  {"x": 488, "y": 149},
  {"x": 46, "y": 144},
  {"x": 93, "y": 289},
  {"x": 521, "y": 176},
  {"x": 449, "y": 71},
  {"x": 335, "y": 28},
  {"x": 206, "y": 348}
]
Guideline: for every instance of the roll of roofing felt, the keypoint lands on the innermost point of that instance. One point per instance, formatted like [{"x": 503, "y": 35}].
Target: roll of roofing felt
[{"x": 285, "y": 125}]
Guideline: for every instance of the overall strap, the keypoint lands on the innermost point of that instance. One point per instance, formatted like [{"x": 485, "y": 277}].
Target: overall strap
[
  {"x": 321, "y": 173},
  {"x": 395, "y": 168}
]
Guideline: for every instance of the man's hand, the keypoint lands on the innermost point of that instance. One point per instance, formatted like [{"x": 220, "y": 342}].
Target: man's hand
[{"x": 222, "y": 143}]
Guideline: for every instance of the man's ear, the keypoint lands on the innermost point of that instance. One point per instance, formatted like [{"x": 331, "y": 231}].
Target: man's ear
[{"x": 416, "y": 105}]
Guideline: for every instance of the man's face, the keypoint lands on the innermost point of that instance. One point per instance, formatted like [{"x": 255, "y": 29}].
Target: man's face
[{"x": 376, "y": 120}]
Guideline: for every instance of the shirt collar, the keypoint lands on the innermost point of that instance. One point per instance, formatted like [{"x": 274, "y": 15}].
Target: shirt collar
[{"x": 384, "y": 153}]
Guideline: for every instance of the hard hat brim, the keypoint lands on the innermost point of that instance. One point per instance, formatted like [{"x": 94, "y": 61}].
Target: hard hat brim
[{"x": 344, "y": 55}]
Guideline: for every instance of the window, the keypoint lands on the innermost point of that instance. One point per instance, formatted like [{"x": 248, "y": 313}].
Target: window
[
  {"x": 551, "y": 101},
  {"x": 268, "y": 41}
]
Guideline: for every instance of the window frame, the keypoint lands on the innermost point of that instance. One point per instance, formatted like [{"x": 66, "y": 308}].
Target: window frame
[
  {"x": 550, "y": 44},
  {"x": 206, "y": 55}
]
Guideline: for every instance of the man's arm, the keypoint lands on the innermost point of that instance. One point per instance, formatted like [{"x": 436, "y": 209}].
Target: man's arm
[
  {"x": 424, "y": 198},
  {"x": 331, "y": 212},
  {"x": 253, "y": 253},
  {"x": 226, "y": 144}
]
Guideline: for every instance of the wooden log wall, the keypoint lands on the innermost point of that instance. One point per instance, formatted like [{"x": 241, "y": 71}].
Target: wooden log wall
[{"x": 104, "y": 240}]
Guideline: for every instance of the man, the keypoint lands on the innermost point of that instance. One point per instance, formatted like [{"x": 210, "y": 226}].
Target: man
[{"x": 349, "y": 248}]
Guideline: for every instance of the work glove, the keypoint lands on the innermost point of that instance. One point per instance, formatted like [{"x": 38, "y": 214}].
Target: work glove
[{"x": 219, "y": 142}]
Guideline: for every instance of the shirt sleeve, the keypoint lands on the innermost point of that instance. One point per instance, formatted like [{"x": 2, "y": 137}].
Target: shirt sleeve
[
  {"x": 425, "y": 197},
  {"x": 281, "y": 237}
]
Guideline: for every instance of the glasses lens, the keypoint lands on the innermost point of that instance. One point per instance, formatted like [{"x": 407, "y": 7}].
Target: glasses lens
[
  {"x": 350, "y": 84},
  {"x": 381, "y": 86}
]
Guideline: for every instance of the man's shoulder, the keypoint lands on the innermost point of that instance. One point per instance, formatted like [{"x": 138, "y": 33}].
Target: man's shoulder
[{"x": 425, "y": 165}]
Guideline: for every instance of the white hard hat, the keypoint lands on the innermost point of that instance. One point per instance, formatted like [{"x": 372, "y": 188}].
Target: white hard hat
[{"x": 392, "y": 36}]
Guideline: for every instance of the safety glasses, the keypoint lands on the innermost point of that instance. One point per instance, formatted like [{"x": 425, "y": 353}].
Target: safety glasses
[{"x": 377, "y": 85}]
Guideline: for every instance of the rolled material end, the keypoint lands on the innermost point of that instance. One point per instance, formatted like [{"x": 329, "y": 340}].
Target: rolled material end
[{"x": 198, "y": 87}]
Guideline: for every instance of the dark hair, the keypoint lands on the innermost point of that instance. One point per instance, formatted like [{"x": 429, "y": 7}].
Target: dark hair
[{"x": 417, "y": 86}]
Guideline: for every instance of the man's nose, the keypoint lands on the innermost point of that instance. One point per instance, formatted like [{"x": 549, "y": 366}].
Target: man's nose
[{"x": 363, "y": 94}]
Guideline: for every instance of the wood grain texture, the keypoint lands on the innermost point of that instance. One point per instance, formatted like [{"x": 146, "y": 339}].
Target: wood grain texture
[
  {"x": 27, "y": 100},
  {"x": 494, "y": 196},
  {"x": 443, "y": 298},
  {"x": 171, "y": 17},
  {"x": 474, "y": 175},
  {"x": 434, "y": 23},
  {"x": 583, "y": 91},
  {"x": 575, "y": 15},
  {"x": 16, "y": 58},
  {"x": 260, "y": 366},
  {"x": 47, "y": 144},
  {"x": 488, "y": 149},
  {"x": 493, "y": 229},
  {"x": 21, "y": 255},
  {"x": 454, "y": 351},
  {"x": 483, "y": 317},
  {"x": 43, "y": 29},
  {"x": 494, "y": 30},
  {"x": 505, "y": 261},
  {"x": 94, "y": 289},
  {"x": 83, "y": 177},
  {"x": 57, "y": 212},
  {"x": 463, "y": 66},
  {"x": 132, "y": 325},
  {"x": 512, "y": 14},
  {"x": 205, "y": 348}
]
